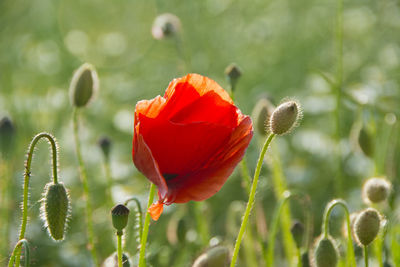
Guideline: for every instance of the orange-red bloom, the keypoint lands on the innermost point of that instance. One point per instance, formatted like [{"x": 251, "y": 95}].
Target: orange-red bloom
[{"x": 188, "y": 142}]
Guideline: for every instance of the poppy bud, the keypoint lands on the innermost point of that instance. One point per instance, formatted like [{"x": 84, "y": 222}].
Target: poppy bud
[
  {"x": 84, "y": 85},
  {"x": 112, "y": 260},
  {"x": 366, "y": 141},
  {"x": 7, "y": 132},
  {"x": 119, "y": 215},
  {"x": 376, "y": 190},
  {"x": 233, "y": 74},
  {"x": 261, "y": 114},
  {"x": 297, "y": 231},
  {"x": 325, "y": 253},
  {"x": 165, "y": 26},
  {"x": 366, "y": 226},
  {"x": 285, "y": 117},
  {"x": 105, "y": 145},
  {"x": 55, "y": 209},
  {"x": 214, "y": 257}
]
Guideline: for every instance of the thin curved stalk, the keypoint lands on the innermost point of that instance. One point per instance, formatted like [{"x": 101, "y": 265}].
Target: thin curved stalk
[
  {"x": 251, "y": 199},
  {"x": 139, "y": 210},
  {"x": 143, "y": 240},
  {"x": 325, "y": 228},
  {"x": 17, "y": 250},
  {"x": 27, "y": 175}
]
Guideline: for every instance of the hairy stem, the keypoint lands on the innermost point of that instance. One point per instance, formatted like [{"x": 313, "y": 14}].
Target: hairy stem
[
  {"x": 139, "y": 216},
  {"x": 143, "y": 240},
  {"x": 85, "y": 184},
  {"x": 27, "y": 175},
  {"x": 251, "y": 199},
  {"x": 325, "y": 227},
  {"x": 16, "y": 253}
]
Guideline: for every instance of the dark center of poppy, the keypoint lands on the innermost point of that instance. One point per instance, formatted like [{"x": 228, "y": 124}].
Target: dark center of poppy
[{"x": 169, "y": 176}]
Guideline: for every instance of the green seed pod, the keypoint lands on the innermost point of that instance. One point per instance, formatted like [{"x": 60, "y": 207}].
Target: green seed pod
[
  {"x": 376, "y": 190},
  {"x": 84, "y": 85},
  {"x": 366, "y": 226},
  {"x": 119, "y": 215},
  {"x": 165, "y": 26},
  {"x": 7, "y": 134},
  {"x": 366, "y": 141},
  {"x": 297, "y": 231},
  {"x": 105, "y": 146},
  {"x": 215, "y": 257},
  {"x": 261, "y": 114},
  {"x": 233, "y": 73},
  {"x": 112, "y": 260},
  {"x": 285, "y": 117},
  {"x": 55, "y": 209},
  {"x": 325, "y": 253}
]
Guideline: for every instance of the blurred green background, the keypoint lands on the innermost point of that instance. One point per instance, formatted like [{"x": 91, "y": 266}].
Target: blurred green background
[{"x": 285, "y": 48}]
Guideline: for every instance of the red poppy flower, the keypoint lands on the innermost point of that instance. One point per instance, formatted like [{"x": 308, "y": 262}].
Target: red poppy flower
[{"x": 188, "y": 142}]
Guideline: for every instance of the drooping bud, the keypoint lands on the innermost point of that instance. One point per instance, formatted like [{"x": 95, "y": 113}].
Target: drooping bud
[
  {"x": 297, "y": 231},
  {"x": 84, "y": 85},
  {"x": 165, "y": 26},
  {"x": 325, "y": 253},
  {"x": 261, "y": 114},
  {"x": 119, "y": 215},
  {"x": 285, "y": 117},
  {"x": 105, "y": 146},
  {"x": 55, "y": 209},
  {"x": 376, "y": 190},
  {"x": 233, "y": 73},
  {"x": 112, "y": 260},
  {"x": 7, "y": 133},
  {"x": 366, "y": 226},
  {"x": 215, "y": 257}
]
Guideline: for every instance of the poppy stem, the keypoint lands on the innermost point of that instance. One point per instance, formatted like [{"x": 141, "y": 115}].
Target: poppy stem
[
  {"x": 251, "y": 199},
  {"x": 85, "y": 184},
  {"x": 325, "y": 227},
  {"x": 119, "y": 249},
  {"x": 143, "y": 240},
  {"x": 27, "y": 176}
]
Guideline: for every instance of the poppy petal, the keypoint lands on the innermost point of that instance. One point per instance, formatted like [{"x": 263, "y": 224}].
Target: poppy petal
[
  {"x": 182, "y": 148},
  {"x": 145, "y": 163},
  {"x": 201, "y": 84},
  {"x": 217, "y": 111},
  {"x": 209, "y": 180},
  {"x": 155, "y": 210}
]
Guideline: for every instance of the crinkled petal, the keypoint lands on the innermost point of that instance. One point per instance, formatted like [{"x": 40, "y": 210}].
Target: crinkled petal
[{"x": 207, "y": 181}]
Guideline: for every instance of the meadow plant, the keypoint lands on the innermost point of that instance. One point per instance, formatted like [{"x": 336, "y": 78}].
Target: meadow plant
[
  {"x": 55, "y": 203},
  {"x": 84, "y": 85},
  {"x": 366, "y": 228},
  {"x": 120, "y": 215}
]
